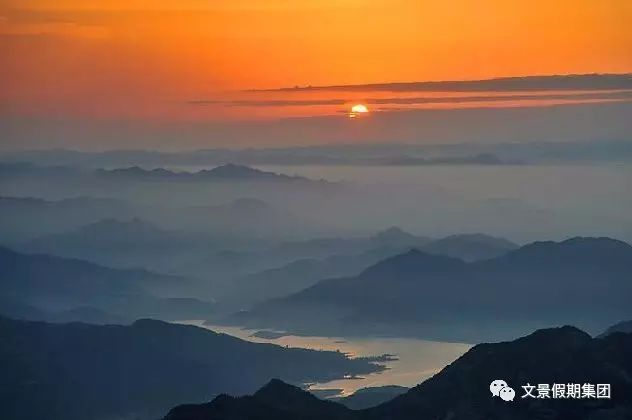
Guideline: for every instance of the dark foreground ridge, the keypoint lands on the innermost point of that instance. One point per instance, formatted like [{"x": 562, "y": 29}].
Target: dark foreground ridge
[
  {"x": 461, "y": 390},
  {"x": 79, "y": 371}
]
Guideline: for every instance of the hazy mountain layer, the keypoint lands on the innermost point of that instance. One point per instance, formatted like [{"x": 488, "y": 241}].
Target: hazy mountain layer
[
  {"x": 585, "y": 280},
  {"x": 53, "y": 288}
]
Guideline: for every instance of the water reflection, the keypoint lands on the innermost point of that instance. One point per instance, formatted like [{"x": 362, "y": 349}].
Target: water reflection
[{"x": 416, "y": 361}]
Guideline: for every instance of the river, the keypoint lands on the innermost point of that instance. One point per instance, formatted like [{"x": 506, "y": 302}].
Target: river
[{"x": 416, "y": 361}]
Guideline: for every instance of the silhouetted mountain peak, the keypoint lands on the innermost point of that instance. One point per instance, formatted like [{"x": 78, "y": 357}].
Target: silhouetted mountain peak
[
  {"x": 149, "y": 326},
  {"x": 129, "y": 170},
  {"x": 234, "y": 171},
  {"x": 623, "y": 326},
  {"x": 398, "y": 237},
  {"x": 292, "y": 399},
  {"x": 391, "y": 233},
  {"x": 582, "y": 249},
  {"x": 228, "y": 171},
  {"x": 470, "y": 247},
  {"x": 7, "y": 253},
  {"x": 552, "y": 343},
  {"x": 276, "y": 387},
  {"x": 413, "y": 261},
  {"x": 580, "y": 242},
  {"x": 275, "y": 383},
  {"x": 565, "y": 334},
  {"x": 149, "y": 322},
  {"x": 136, "y": 172},
  {"x": 479, "y": 238}
]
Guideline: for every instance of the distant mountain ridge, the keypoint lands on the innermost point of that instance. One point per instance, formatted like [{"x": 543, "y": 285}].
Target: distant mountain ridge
[
  {"x": 487, "y": 299},
  {"x": 121, "y": 243},
  {"x": 470, "y": 247},
  {"x": 335, "y": 257},
  {"x": 339, "y": 154},
  {"x": 623, "y": 326},
  {"x": 24, "y": 218},
  {"x": 111, "y": 227},
  {"x": 461, "y": 390},
  {"x": 223, "y": 172},
  {"x": 299, "y": 274},
  {"x": 53, "y": 288},
  {"x": 117, "y": 233},
  {"x": 24, "y": 275},
  {"x": 394, "y": 236}
]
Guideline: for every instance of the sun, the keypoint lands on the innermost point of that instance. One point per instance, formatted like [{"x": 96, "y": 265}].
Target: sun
[{"x": 357, "y": 110}]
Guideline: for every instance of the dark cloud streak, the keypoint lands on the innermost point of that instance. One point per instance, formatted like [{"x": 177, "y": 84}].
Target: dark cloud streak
[
  {"x": 619, "y": 95},
  {"x": 526, "y": 83}
]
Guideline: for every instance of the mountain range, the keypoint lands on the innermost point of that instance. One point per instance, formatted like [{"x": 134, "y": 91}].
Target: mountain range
[
  {"x": 584, "y": 280},
  {"x": 260, "y": 274},
  {"x": 85, "y": 223},
  {"x": 461, "y": 391},
  {"x": 298, "y": 275},
  {"x": 354, "y": 255},
  {"x": 229, "y": 172},
  {"x": 342, "y": 154},
  {"x": 223, "y": 172},
  {"x": 78, "y": 371},
  {"x": 330, "y": 246},
  {"x": 125, "y": 244},
  {"x": 24, "y": 218},
  {"x": 53, "y": 288},
  {"x": 468, "y": 247}
]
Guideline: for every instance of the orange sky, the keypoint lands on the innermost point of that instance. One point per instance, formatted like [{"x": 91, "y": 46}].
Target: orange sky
[{"x": 148, "y": 58}]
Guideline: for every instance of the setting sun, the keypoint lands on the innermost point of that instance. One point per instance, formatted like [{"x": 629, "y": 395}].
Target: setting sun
[{"x": 357, "y": 110}]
